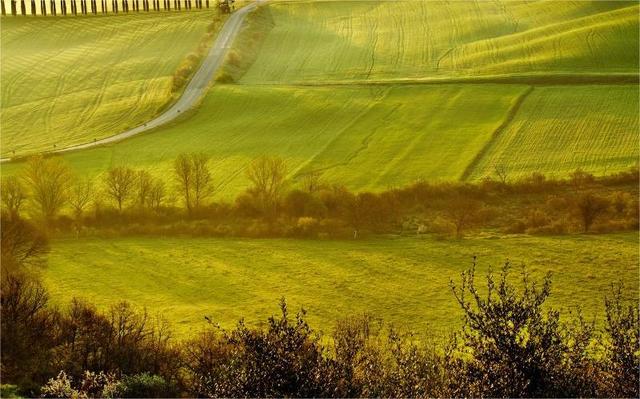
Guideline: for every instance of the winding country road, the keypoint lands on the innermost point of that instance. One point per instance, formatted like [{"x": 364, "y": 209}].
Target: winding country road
[{"x": 196, "y": 88}]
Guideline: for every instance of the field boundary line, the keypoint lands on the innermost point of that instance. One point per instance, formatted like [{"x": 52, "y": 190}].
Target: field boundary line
[
  {"x": 511, "y": 114},
  {"x": 550, "y": 79}
]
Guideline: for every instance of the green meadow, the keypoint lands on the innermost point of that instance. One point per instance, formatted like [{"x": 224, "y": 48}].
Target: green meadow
[
  {"x": 369, "y": 94},
  {"x": 343, "y": 88},
  {"x": 315, "y": 42},
  {"x": 404, "y": 133},
  {"x": 70, "y": 80},
  {"x": 404, "y": 280}
]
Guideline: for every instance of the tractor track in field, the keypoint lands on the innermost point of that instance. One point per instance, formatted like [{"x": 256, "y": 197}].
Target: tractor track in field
[
  {"x": 195, "y": 89},
  {"x": 511, "y": 114}
]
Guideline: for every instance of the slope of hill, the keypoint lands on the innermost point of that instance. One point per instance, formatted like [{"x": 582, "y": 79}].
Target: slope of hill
[
  {"x": 339, "y": 87},
  {"x": 314, "y": 42},
  {"x": 71, "y": 80},
  {"x": 557, "y": 130},
  {"x": 377, "y": 137}
]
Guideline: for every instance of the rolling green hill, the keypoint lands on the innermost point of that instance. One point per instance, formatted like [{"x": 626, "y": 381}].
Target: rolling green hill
[
  {"x": 378, "y": 94},
  {"x": 403, "y": 280},
  {"x": 314, "y": 42},
  {"x": 558, "y": 130},
  {"x": 371, "y": 94},
  {"x": 396, "y": 131},
  {"x": 376, "y": 137},
  {"x": 71, "y": 80}
]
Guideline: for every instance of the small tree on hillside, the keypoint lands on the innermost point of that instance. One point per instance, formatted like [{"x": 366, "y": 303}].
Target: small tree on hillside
[
  {"x": 120, "y": 184},
  {"x": 80, "y": 196},
  {"x": 463, "y": 213},
  {"x": 268, "y": 178},
  {"x": 194, "y": 179},
  {"x": 502, "y": 173},
  {"x": 202, "y": 179},
  {"x": 49, "y": 180},
  {"x": 156, "y": 194},
  {"x": 21, "y": 243},
  {"x": 312, "y": 182},
  {"x": 184, "y": 177},
  {"x": 13, "y": 195},
  {"x": 589, "y": 207},
  {"x": 580, "y": 179},
  {"x": 144, "y": 184}
]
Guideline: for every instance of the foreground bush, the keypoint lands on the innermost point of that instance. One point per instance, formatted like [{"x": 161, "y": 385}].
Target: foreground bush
[{"x": 512, "y": 344}]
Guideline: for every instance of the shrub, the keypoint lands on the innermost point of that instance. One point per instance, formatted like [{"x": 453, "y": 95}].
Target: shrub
[
  {"x": 146, "y": 385},
  {"x": 91, "y": 385},
  {"x": 623, "y": 331},
  {"x": 9, "y": 391},
  {"x": 516, "y": 346},
  {"x": 589, "y": 207}
]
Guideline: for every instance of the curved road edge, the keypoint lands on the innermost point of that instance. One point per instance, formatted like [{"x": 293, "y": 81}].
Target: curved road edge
[{"x": 195, "y": 90}]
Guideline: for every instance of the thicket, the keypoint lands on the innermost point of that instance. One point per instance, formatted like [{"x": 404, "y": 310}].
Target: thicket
[
  {"x": 511, "y": 344},
  {"x": 127, "y": 201},
  {"x": 190, "y": 64}
]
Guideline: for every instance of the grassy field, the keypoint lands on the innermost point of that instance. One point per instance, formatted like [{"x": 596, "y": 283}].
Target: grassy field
[
  {"x": 305, "y": 92},
  {"x": 315, "y": 42},
  {"x": 403, "y": 133},
  {"x": 557, "y": 130},
  {"x": 372, "y": 95},
  {"x": 345, "y": 133},
  {"x": 69, "y": 80},
  {"x": 403, "y": 280}
]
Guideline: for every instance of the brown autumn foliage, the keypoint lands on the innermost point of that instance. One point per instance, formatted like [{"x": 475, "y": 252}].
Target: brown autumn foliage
[{"x": 276, "y": 205}]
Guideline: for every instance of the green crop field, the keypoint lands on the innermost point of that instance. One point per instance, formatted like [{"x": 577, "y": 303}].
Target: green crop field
[
  {"x": 403, "y": 280},
  {"x": 348, "y": 87},
  {"x": 403, "y": 133},
  {"x": 344, "y": 133},
  {"x": 71, "y": 80},
  {"x": 314, "y": 42},
  {"x": 590, "y": 127}
]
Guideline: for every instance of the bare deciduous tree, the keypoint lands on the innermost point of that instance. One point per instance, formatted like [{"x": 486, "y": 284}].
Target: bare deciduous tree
[
  {"x": 184, "y": 177},
  {"x": 48, "y": 180},
  {"x": 144, "y": 183},
  {"x": 120, "y": 184},
  {"x": 580, "y": 179},
  {"x": 13, "y": 195},
  {"x": 589, "y": 208},
  {"x": 21, "y": 243},
  {"x": 501, "y": 171},
  {"x": 463, "y": 213},
  {"x": 156, "y": 194},
  {"x": 312, "y": 182},
  {"x": 268, "y": 176},
  {"x": 80, "y": 196},
  {"x": 202, "y": 181},
  {"x": 194, "y": 179}
]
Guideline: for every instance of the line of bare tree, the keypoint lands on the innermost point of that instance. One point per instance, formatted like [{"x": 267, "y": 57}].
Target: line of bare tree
[
  {"x": 278, "y": 204},
  {"x": 63, "y": 7}
]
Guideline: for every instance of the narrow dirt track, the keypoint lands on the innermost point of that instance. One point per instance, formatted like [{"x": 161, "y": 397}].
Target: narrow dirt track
[{"x": 196, "y": 88}]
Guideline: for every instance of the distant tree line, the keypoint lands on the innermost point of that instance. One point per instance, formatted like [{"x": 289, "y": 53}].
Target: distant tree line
[
  {"x": 70, "y": 7},
  {"x": 512, "y": 345},
  {"x": 133, "y": 201}
]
